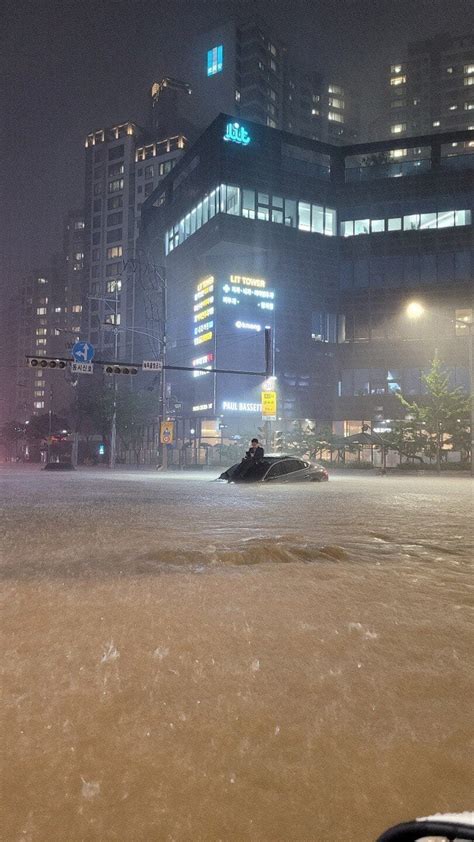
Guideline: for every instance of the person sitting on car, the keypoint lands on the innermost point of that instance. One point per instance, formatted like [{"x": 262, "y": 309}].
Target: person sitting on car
[
  {"x": 253, "y": 456},
  {"x": 255, "y": 452}
]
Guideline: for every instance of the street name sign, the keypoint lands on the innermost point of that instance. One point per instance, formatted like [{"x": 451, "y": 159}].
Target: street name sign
[
  {"x": 82, "y": 368},
  {"x": 152, "y": 365}
]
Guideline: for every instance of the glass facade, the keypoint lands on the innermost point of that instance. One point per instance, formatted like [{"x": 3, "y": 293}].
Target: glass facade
[
  {"x": 251, "y": 204},
  {"x": 409, "y": 222}
]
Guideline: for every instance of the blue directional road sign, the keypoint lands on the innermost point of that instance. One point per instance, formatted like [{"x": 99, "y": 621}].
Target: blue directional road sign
[{"x": 83, "y": 352}]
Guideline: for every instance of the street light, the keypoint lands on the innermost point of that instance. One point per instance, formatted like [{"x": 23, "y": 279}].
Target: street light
[{"x": 415, "y": 310}]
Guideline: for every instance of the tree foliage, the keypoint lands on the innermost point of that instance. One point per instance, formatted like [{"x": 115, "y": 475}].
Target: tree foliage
[{"x": 442, "y": 419}]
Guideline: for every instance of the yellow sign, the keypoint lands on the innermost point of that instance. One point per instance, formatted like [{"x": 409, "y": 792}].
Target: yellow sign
[
  {"x": 269, "y": 404},
  {"x": 242, "y": 280},
  {"x": 167, "y": 432},
  {"x": 205, "y": 284}
]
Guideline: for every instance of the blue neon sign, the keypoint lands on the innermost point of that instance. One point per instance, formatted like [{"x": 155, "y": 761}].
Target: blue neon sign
[
  {"x": 215, "y": 60},
  {"x": 237, "y": 134}
]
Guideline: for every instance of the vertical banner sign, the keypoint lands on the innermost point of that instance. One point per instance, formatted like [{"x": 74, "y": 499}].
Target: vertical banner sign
[
  {"x": 269, "y": 404},
  {"x": 167, "y": 432}
]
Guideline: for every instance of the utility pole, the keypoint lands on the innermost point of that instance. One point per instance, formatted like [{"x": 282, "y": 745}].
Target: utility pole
[
  {"x": 163, "y": 402},
  {"x": 113, "y": 432},
  {"x": 50, "y": 423}
]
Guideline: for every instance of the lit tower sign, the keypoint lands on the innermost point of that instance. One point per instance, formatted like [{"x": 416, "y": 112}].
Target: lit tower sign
[{"x": 235, "y": 133}]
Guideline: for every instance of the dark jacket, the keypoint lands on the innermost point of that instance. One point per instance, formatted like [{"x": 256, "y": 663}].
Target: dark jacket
[{"x": 257, "y": 454}]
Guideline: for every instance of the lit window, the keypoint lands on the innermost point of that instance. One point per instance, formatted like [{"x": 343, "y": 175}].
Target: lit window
[
  {"x": 41, "y": 311},
  {"x": 446, "y": 219},
  {"x": 398, "y": 128},
  {"x": 112, "y": 319},
  {"x": 114, "y": 286},
  {"x": 436, "y": 123},
  {"x": 469, "y": 80},
  {"x": 304, "y": 216},
  {"x": 462, "y": 217},
  {"x": 453, "y": 107},
  {"x": 398, "y": 80},
  {"x": 113, "y": 252},
  {"x": 468, "y": 68},
  {"x": 469, "y": 106},
  {"x": 315, "y": 112},
  {"x": 335, "y": 117},
  {"x": 427, "y": 220},
  {"x": 215, "y": 60},
  {"x": 77, "y": 308},
  {"x": 115, "y": 186},
  {"x": 377, "y": 225},
  {"x": 361, "y": 226},
  {"x": 450, "y": 70},
  {"x": 335, "y": 89},
  {"x": 237, "y": 96},
  {"x": 396, "y": 68},
  {"x": 38, "y": 404},
  {"x": 394, "y": 224},
  {"x": 398, "y": 153},
  {"x": 347, "y": 228},
  {"x": 42, "y": 280},
  {"x": 41, "y": 341},
  {"x": 411, "y": 222},
  {"x": 41, "y": 331},
  {"x": 335, "y": 102}
]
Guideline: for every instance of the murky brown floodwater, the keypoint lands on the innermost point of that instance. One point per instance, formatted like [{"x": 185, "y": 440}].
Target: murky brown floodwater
[{"x": 189, "y": 662}]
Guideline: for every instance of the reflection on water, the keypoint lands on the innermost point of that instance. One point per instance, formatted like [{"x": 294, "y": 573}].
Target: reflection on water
[{"x": 191, "y": 661}]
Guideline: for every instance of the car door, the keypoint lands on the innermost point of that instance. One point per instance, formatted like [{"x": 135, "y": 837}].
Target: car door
[{"x": 296, "y": 470}]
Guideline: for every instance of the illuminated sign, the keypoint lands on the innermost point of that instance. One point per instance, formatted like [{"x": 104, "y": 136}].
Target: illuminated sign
[
  {"x": 248, "y": 326},
  {"x": 269, "y": 404},
  {"x": 199, "y": 361},
  {"x": 201, "y": 407},
  {"x": 204, "y": 303},
  {"x": 202, "y": 328},
  {"x": 204, "y": 314},
  {"x": 198, "y": 340},
  {"x": 202, "y": 362},
  {"x": 244, "y": 281},
  {"x": 241, "y": 406},
  {"x": 237, "y": 134},
  {"x": 203, "y": 285}
]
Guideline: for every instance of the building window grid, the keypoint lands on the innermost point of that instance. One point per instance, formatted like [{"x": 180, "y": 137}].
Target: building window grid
[
  {"x": 408, "y": 222},
  {"x": 251, "y": 204}
]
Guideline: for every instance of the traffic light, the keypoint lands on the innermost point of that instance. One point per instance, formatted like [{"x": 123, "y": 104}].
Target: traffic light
[
  {"x": 45, "y": 362},
  {"x": 120, "y": 369}
]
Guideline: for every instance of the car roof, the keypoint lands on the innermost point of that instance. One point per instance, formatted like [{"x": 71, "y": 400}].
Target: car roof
[{"x": 278, "y": 457}]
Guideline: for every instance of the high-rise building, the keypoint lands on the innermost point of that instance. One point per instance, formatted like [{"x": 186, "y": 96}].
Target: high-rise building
[
  {"x": 124, "y": 164},
  {"x": 50, "y": 312},
  {"x": 326, "y": 244},
  {"x": 244, "y": 69},
  {"x": 169, "y": 99},
  {"x": 432, "y": 88}
]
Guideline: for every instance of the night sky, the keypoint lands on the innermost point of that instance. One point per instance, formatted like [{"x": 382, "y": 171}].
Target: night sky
[{"x": 69, "y": 66}]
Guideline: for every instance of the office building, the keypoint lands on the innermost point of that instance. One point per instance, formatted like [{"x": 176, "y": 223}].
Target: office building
[
  {"x": 431, "y": 90},
  {"x": 124, "y": 164},
  {"x": 258, "y": 227},
  {"x": 50, "y": 309},
  {"x": 243, "y": 69}
]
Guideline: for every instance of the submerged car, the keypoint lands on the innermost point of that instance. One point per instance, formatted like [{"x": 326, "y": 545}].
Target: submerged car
[{"x": 276, "y": 468}]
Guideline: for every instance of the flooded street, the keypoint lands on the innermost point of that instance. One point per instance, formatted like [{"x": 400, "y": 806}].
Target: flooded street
[{"x": 185, "y": 661}]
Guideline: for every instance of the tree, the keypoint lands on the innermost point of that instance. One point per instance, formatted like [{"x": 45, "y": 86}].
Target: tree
[
  {"x": 443, "y": 417},
  {"x": 135, "y": 410}
]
